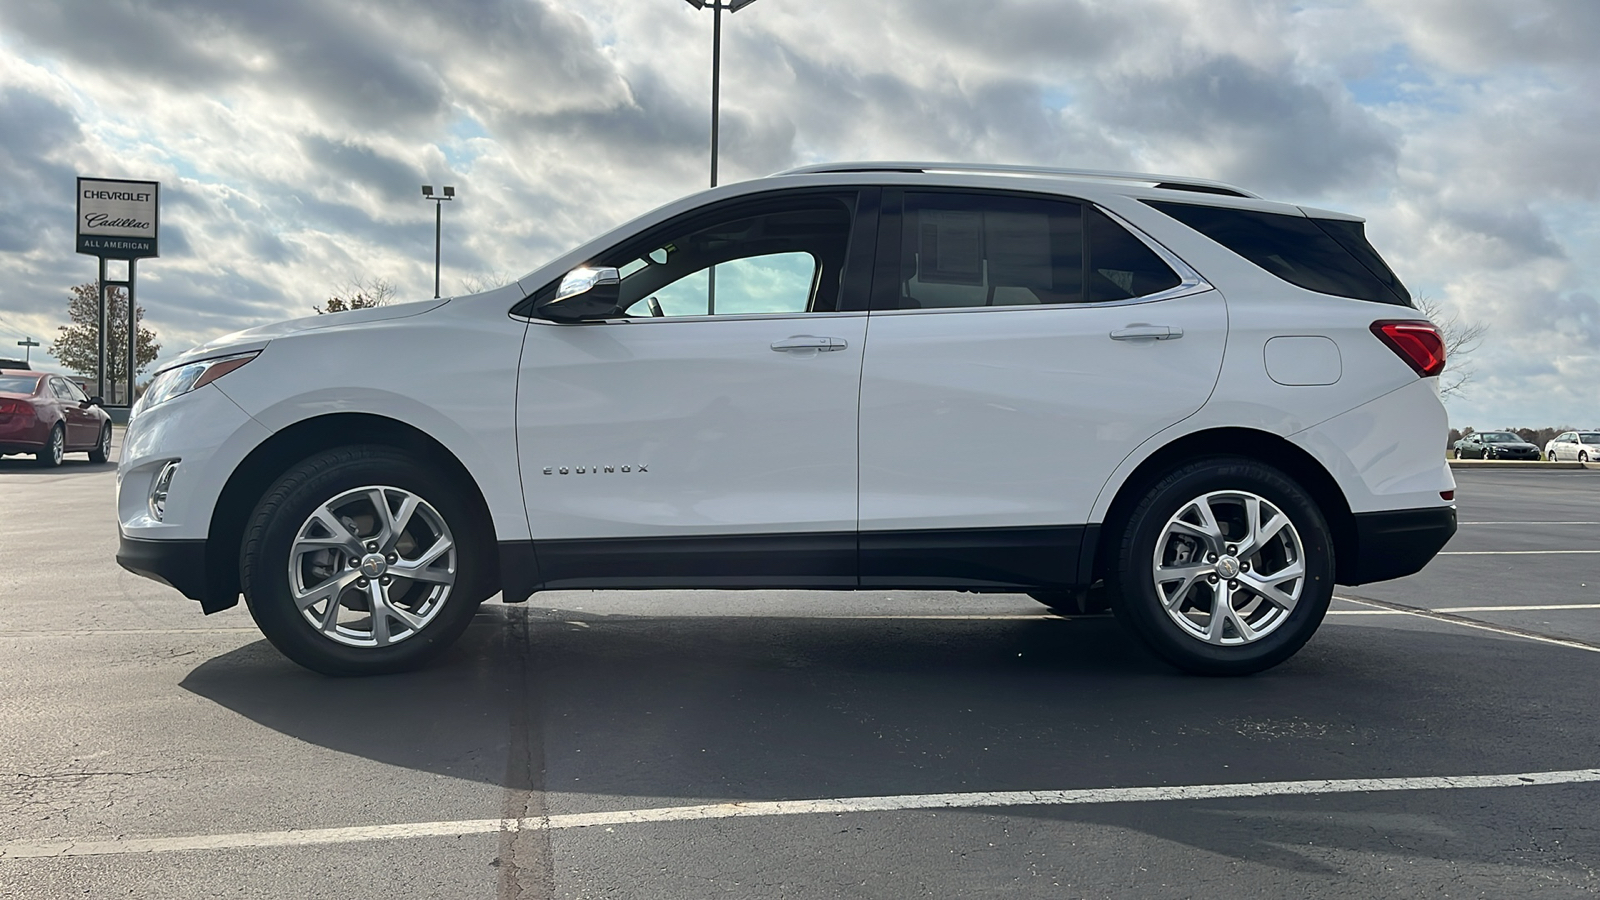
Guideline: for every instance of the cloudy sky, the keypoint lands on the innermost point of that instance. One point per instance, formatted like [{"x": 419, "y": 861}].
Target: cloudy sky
[{"x": 290, "y": 137}]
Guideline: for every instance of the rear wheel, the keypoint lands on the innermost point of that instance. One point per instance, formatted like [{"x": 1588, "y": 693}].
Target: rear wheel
[
  {"x": 1225, "y": 567},
  {"x": 55, "y": 449},
  {"x": 363, "y": 561},
  {"x": 102, "y": 451}
]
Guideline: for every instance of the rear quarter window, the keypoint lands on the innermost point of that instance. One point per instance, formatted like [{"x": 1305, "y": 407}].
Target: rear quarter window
[{"x": 1322, "y": 255}]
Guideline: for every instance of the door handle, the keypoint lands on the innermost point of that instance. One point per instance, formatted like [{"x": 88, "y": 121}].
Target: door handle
[
  {"x": 1142, "y": 331},
  {"x": 809, "y": 342}
]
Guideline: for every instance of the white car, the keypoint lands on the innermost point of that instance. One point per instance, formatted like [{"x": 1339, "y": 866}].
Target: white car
[
  {"x": 869, "y": 376},
  {"x": 1580, "y": 446}
]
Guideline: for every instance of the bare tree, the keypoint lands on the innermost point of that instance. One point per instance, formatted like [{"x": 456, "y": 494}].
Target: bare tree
[
  {"x": 1461, "y": 337},
  {"x": 359, "y": 293},
  {"x": 481, "y": 281}
]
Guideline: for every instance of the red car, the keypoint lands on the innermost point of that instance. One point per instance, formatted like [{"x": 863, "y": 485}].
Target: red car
[{"x": 49, "y": 416}]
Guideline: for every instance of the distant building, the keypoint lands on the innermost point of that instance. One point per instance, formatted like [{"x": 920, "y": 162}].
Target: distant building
[{"x": 7, "y": 362}]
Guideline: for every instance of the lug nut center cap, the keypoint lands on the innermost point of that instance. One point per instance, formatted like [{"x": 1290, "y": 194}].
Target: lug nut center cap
[
  {"x": 1227, "y": 567},
  {"x": 373, "y": 565}
]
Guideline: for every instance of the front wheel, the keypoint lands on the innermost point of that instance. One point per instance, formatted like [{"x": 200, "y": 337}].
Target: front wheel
[
  {"x": 1583, "y": 457},
  {"x": 364, "y": 561},
  {"x": 1224, "y": 567}
]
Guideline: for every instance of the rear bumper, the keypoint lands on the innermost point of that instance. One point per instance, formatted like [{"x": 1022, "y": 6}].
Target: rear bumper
[
  {"x": 179, "y": 563},
  {"x": 1396, "y": 543}
]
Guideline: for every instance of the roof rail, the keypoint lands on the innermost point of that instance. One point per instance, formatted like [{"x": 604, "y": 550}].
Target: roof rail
[{"x": 1171, "y": 182}]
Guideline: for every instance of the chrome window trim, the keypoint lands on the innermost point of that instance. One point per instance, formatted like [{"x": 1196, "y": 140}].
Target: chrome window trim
[
  {"x": 1169, "y": 294},
  {"x": 735, "y": 317}
]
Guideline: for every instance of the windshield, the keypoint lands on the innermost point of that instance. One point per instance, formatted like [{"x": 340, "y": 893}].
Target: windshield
[
  {"x": 1590, "y": 437},
  {"x": 1500, "y": 437},
  {"x": 18, "y": 384}
]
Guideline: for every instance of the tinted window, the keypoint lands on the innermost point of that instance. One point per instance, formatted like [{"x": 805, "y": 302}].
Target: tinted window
[
  {"x": 18, "y": 384},
  {"x": 1120, "y": 265},
  {"x": 1313, "y": 254},
  {"x": 963, "y": 250},
  {"x": 1590, "y": 437},
  {"x": 970, "y": 250},
  {"x": 782, "y": 261},
  {"x": 1499, "y": 437}
]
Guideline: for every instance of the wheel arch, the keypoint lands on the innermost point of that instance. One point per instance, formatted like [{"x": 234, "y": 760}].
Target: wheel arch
[
  {"x": 275, "y": 455},
  {"x": 1262, "y": 446}
]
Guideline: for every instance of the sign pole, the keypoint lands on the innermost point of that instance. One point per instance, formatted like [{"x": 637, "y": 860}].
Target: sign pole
[
  {"x": 100, "y": 337},
  {"x": 133, "y": 331}
]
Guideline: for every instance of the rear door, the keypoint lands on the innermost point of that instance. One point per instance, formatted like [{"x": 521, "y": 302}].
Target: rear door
[{"x": 1020, "y": 346}]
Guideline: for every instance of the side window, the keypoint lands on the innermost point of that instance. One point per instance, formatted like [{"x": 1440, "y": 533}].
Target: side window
[
  {"x": 784, "y": 260},
  {"x": 60, "y": 389},
  {"x": 1316, "y": 254},
  {"x": 1120, "y": 265},
  {"x": 963, "y": 250},
  {"x": 971, "y": 250},
  {"x": 75, "y": 392}
]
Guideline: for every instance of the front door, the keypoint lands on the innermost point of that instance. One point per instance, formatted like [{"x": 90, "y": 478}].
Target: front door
[
  {"x": 1027, "y": 346},
  {"x": 706, "y": 435}
]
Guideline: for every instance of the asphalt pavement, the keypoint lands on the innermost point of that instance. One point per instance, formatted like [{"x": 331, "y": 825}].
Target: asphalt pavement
[{"x": 1436, "y": 738}]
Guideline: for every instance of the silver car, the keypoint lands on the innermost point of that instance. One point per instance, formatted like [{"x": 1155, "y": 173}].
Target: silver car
[{"x": 1582, "y": 446}]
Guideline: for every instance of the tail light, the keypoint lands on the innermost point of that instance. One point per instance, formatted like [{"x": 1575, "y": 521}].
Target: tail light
[
  {"x": 1418, "y": 343},
  {"x": 11, "y": 407}
]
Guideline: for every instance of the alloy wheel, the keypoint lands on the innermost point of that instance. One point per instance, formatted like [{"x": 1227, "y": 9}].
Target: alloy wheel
[
  {"x": 1229, "y": 568},
  {"x": 372, "y": 566},
  {"x": 58, "y": 446}
]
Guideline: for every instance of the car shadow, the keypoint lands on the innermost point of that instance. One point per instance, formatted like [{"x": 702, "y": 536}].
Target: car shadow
[
  {"x": 761, "y": 708},
  {"x": 73, "y": 464}
]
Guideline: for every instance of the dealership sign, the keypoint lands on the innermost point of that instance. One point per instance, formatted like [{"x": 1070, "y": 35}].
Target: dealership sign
[{"x": 117, "y": 219}]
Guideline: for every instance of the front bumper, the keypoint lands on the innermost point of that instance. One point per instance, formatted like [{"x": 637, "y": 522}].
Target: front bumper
[
  {"x": 1396, "y": 543},
  {"x": 181, "y": 564}
]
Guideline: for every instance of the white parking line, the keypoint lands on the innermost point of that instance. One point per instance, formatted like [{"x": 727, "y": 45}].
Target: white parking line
[
  {"x": 90, "y": 632},
  {"x": 974, "y": 800},
  {"x": 1459, "y": 609},
  {"x": 1439, "y": 615},
  {"x": 1512, "y": 552},
  {"x": 1528, "y": 523}
]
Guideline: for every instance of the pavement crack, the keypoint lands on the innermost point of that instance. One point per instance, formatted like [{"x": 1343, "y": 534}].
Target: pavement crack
[{"x": 524, "y": 853}]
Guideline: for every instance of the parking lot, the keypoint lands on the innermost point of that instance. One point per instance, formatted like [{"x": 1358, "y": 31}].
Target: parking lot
[{"x": 1436, "y": 738}]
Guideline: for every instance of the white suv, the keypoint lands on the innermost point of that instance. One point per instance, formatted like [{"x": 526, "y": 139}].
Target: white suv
[{"x": 1165, "y": 394}]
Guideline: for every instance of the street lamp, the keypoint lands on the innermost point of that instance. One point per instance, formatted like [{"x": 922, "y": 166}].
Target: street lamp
[
  {"x": 438, "y": 221},
  {"x": 717, "y": 6}
]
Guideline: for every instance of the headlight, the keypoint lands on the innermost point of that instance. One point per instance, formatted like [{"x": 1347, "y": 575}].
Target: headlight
[{"x": 181, "y": 380}]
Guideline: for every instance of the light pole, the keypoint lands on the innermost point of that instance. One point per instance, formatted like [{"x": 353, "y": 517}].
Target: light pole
[
  {"x": 27, "y": 354},
  {"x": 438, "y": 222},
  {"x": 717, "y": 6}
]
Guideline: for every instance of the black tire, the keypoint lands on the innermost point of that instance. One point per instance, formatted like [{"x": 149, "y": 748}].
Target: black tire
[
  {"x": 1583, "y": 457},
  {"x": 1089, "y": 601},
  {"x": 102, "y": 451},
  {"x": 1132, "y": 582},
  {"x": 55, "y": 448},
  {"x": 271, "y": 531}
]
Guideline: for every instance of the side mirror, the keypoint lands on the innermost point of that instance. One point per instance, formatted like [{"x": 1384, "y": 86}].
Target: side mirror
[
  {"x": 97, "y": 401},
  {"x": 584, "y": 294}
]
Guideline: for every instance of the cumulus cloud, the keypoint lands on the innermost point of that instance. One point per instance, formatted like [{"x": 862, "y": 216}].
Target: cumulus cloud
[{"x": 291, "y": 137}]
